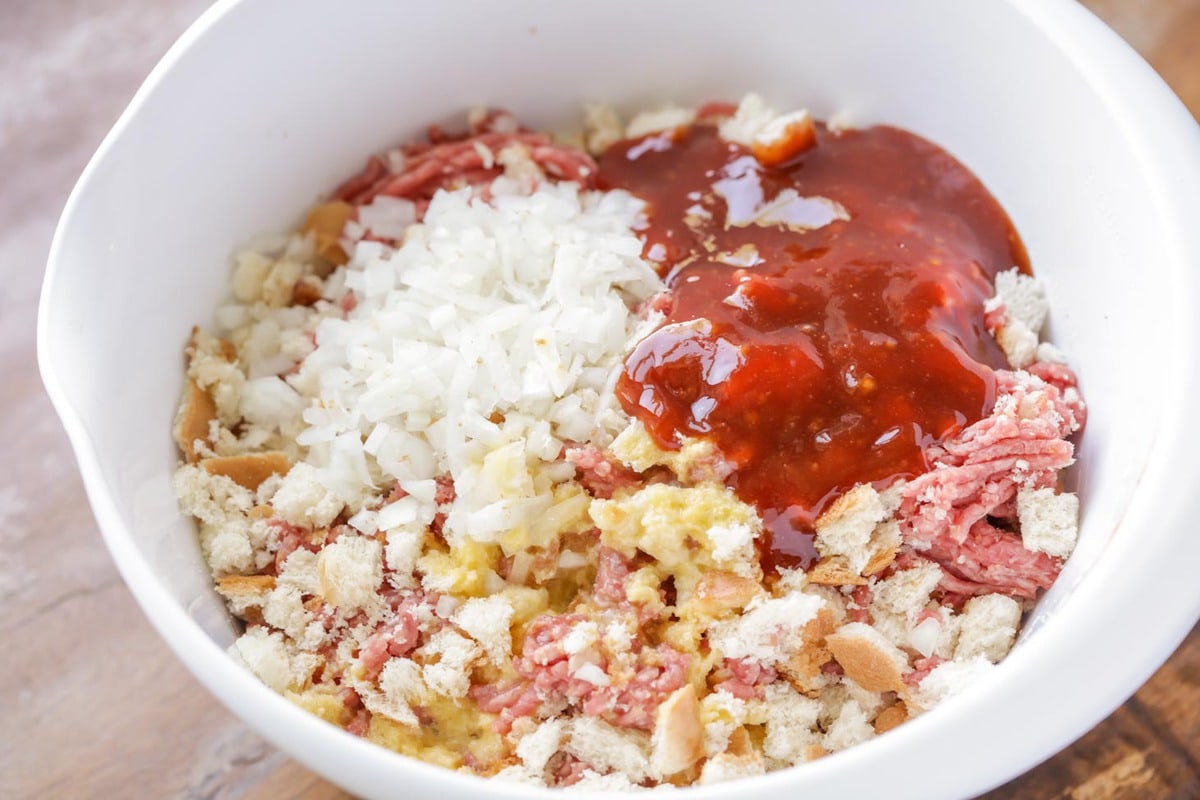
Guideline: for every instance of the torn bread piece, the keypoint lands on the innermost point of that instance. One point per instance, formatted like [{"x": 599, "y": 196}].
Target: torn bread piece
[
  {"x": 1049, "y": 520},
  {"x": 728, "y": 767},
  {"x": 783, "y": 138},
  {"x": 1020, "y": 307},
  {"x": 791, "y": 720},
  {"x": 602, "y": 127},
  {"x": 245, "y": 592},
  {"x": 606, "y": 748},
  {"x": 947, "y": 679},
  {"x": 987, "y": 627},
  {"x": 770, "y": 630},
  {"x": 846, "y": 528},
  {"x": 350, "y": 571},
  {"x": 666, "y": 118}
]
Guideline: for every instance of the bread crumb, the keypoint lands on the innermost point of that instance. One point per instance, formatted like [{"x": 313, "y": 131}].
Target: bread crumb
[
  {"x": 401, "y": 685},
  {"x": 718, "y": 592},
  {"x": 752, "y": 115},
  {"x": 537, "y": 747},
  {"x": 212, "y": 499},
  {"x": 728, "y": 767},
  {"x": 1049, "y": 520},
  {"x": 803, "y": 667},
  {"x": 1023, "y": 300},
  {"x": 770, "y": 630},
  {"x": 1023, "y": 297},
  {"x": 790, "y": 721},
  {"x": 846, "y": 527},
  {"x": 721, "y": 713},
  {"x": 450, "y": 674},
  {"x": 606, "y": 748},
  {"x": 350, "y": 571},
  {"x": 850, "y": 726},
  {"x": 403, "y": 549},
  {"x": 487, "y": 620},
  {"x": 592, "y": 781},
  {"x": 1018, "y": 342},
  {"x": 517, "y": 773},
  {"x": 987, "y": 627},
  {"x": 245, "y": 592},
  {"x": 212, "y": 366},
  {"x": 907, "y": 591},
  {"x": 661, "y": 119},
  {"x": 733, "y": 548},
  {"x": 783, "y": 138},
  {"x": 268, "y": 657},
  {"x": 1050, "y": 354},
  {"x": 302, "y": 499},
  {"x": 249, "y": 271},
  {"x": 285, "y": 610},
  {"x": 835, "y": 571},
  {"x": 302, "y": 570},
  {"x": 948, "y": 679},
  {"x": 602, "y": 127},
  {"x": 227, "y": 547}
]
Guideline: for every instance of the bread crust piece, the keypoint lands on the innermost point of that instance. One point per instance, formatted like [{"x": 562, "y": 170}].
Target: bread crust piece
[
  {"x": 245, "y": 586},
  {"x": 678, "y": 740},
  {"x": 845, "y": 529},
  {"x": 868, "y": 658},
  {"x": 835, "y": 571},
  {"x": 196, "y": 413},
  {"x": 784, "y": 138},
  {"x": 249, "y": 469},
  {"x": 803, "y": 669},
  {"x": 891, "y": 717},
  {"x": 325, "y": 222},
  {"x": 718, "y": 591}
]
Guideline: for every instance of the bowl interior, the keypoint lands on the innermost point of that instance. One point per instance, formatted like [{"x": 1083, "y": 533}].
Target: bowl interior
[{"x": 273, "y": 102}]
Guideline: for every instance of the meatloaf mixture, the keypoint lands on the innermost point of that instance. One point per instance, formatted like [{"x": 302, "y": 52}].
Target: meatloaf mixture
[{"x": 692, "y": 448}]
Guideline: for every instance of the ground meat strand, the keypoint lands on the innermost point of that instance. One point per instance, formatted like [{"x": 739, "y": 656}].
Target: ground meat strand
[
  {"x": 921, "y": 669},
  {"x": 565, "y": 770},
  {"x": 613, "y": 569},
  {"x": 360, "y": 719},
  {"x": 991, "y": 560},
  {"x": 449, "y": 162},
  {"x": 747, "y": 678},
  {"x": 546, "y": 676},
  {"x": 943, "y": 513},
  {"x": 289, "y": 538},
  {"x": 600, "y": 474}
]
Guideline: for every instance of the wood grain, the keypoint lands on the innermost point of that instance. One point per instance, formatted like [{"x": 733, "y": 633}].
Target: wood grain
[{"x": 94, "y": 705}]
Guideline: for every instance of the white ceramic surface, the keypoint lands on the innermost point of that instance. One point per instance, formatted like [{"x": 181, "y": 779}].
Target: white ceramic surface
[{"x": 264, "y": 104}]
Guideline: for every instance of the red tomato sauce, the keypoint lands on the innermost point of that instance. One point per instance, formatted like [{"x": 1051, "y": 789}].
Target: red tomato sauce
[{"x": 816, "y": 352}]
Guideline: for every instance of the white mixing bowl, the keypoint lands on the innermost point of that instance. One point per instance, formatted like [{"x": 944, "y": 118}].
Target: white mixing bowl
[{"x": 264, "y": 104}]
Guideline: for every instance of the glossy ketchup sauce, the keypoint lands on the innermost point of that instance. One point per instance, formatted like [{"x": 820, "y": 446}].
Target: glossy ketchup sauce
[{"x": 825, "y": 321}]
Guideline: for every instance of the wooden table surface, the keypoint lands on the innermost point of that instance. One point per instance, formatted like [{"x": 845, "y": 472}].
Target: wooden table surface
[{"x": 93, "y": 704}]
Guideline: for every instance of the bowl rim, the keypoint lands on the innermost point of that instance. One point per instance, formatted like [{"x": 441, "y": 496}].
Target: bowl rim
[{"x": 1165, "y": 141}]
